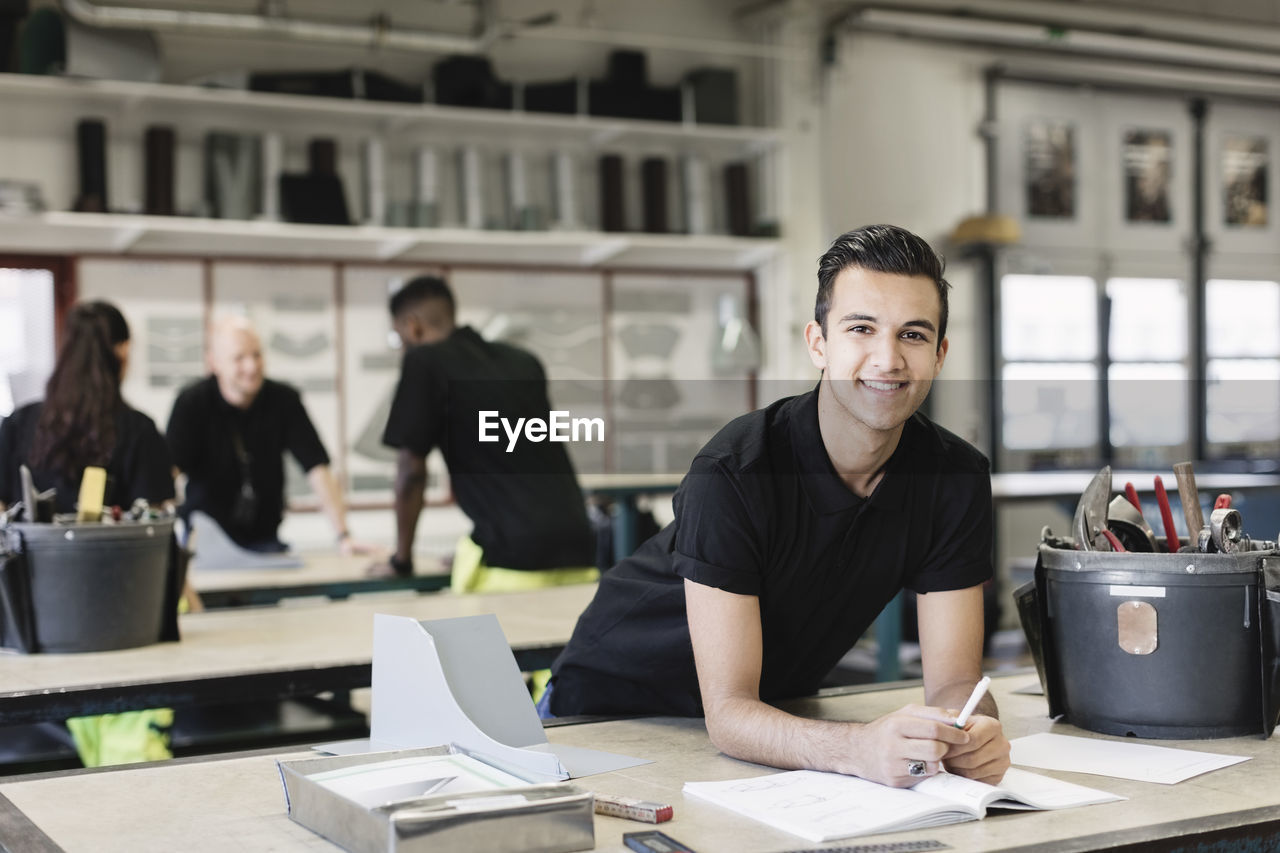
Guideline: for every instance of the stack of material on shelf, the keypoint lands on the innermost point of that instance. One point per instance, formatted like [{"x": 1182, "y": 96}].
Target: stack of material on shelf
[{"x": 20, "y": 197}]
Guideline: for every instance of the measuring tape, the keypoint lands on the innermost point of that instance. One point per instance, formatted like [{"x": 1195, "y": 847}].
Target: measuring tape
[{"x": 884, "y": 847}]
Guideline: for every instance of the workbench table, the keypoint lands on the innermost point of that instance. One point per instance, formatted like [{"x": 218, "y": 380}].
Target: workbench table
[{"x": 236, "y": 803}]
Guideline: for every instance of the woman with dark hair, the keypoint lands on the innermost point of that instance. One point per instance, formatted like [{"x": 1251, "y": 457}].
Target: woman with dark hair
[{"x": 84, "y": 421}]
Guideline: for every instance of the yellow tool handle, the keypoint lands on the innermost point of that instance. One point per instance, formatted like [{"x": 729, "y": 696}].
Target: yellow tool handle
[{"x": 93, "y": 488}]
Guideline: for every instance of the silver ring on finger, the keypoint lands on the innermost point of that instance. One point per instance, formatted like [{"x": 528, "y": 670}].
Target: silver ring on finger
[{"x": 917, "y": 768}]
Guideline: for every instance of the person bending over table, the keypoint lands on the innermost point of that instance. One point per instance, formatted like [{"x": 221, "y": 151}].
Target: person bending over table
[
  {"x": 794, "y": 527},
  {"x": 529, "y": 516},
  {"x": 228, "y": 433},
  {"x": 83, "y": 421}
]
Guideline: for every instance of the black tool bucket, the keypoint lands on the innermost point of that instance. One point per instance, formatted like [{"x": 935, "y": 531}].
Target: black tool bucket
[
  {"x": 90, "y": 587},
  {"x": 1157, "y": 645}
]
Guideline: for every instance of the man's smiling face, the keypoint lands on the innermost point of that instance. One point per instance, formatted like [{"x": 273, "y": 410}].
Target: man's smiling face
[{"x": 880, "y": 352}]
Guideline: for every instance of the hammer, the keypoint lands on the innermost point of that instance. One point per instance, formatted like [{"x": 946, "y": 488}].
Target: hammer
[{"x": 1190, "y": 497}]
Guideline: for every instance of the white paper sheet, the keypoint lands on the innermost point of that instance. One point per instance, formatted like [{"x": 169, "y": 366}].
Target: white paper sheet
[
  {"x": 579, "y": 761},
  {"x": 214, "y": 549},
  {"x": 1124, "y": 760},
  {"x": 380, "y": 783},
  {"x": 1034, "y": 791}
]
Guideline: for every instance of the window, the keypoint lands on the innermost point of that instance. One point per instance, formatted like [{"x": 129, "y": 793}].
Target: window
[
  {"x": 1049, "y": 347},
  {"x": 26, "y": 335},
  {"x": 1147, "y": 392},
  {"x": 1242, "y": 345}
]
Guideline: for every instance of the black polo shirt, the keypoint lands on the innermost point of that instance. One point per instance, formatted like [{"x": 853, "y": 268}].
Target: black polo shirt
[
  {"x": 139, "y": 466},
  {"x": 202, "y": 436},
  {"x": 526, "y": 506},
  {"x": 762, "y": 512}
]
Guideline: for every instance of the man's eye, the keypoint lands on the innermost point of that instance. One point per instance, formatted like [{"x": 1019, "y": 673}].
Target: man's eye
[
  {"x": 860, "y": 329},
  {"x": 915, "y": 336}
]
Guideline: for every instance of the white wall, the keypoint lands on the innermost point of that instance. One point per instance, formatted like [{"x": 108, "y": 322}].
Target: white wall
[{"x": 900, "y": 146}]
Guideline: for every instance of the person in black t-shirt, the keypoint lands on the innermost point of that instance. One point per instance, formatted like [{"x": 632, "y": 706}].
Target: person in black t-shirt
[
  {"x": 83, "y": 420},
  {"x": 795, "y": 525},
  {"x": 529, "y": 517},
  {"x": 228, "y": 433}
]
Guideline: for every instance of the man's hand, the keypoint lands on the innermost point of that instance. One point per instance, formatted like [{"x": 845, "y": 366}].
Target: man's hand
[
  {"x": 986, "y": 755},
  {"x": 886, "y": 747}
]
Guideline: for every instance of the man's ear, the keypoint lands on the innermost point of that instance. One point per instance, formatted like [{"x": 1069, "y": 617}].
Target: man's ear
[
  {"x": 816, "y": 344},
  {"x": 942, "y": 356}
]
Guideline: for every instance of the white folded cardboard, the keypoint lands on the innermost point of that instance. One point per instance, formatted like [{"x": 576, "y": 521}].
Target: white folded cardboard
[{"x": 456, "y": 681}]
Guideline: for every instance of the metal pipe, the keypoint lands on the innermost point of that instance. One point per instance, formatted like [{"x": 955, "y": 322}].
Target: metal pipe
[
  {"x": 1011, "y": 26},
  {"x": 692, "y": 44},
  {"x": 1058, "y": 16},
  {"x": 988, "y": 290},
  {"x": 377, "y": 35},
  {"x": 1200, "y": 250},
  {"x": 380, "y": 34}
]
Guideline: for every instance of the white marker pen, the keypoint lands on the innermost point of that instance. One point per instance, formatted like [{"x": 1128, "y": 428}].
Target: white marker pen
[{"x": 979, "y": 690}]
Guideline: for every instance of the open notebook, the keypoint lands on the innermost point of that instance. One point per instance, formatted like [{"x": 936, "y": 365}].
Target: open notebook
[{"x": 826, "y": 806}]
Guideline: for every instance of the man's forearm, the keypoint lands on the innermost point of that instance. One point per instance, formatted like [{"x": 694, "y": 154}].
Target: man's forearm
[
  {"x": 326, "y": 491},
  {"x": 410, "y": 482},
  {"x": 752, "y": 730},
  {"x": 955, "y": 694}
]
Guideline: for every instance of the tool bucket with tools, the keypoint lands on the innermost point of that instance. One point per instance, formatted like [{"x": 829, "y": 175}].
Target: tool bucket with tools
[
  {"x": 72, "y": 587},
  {"x": 1133, "y": 636}
]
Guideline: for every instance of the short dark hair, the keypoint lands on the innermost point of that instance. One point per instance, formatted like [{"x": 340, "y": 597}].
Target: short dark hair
[
  {"x": 422, "y": 289},
  {"x": 880, "y": 248}
]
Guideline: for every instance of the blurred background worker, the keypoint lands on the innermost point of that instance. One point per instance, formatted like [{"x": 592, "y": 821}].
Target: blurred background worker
[
  {"x": 228, "y": 434},
  {"x": 530, "y": 520},
  {"x": 83, "y": 421}
]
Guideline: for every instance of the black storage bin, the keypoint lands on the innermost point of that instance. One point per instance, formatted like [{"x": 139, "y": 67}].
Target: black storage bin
[
  {"x": 94, "y": 587},
  {"x": 468, "y": 81},
  {"x": 347, "y": 83},
  {"x": 651, "y": 103},
  {"x": 380, "y": 87},
  {"x": 553, "y": 97},
  {"x": 11, "y": 14},
  {"x": 628, "y": 68},
  {"x": 1157, "y": 645},
  {"x": 323, "y": 84},
  {"x": 715, "y": 95},
  {"x": 626, "y": 93}
]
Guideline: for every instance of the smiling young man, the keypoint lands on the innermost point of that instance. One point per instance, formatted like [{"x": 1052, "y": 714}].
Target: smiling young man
[{"x": 796, "y": 524}]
